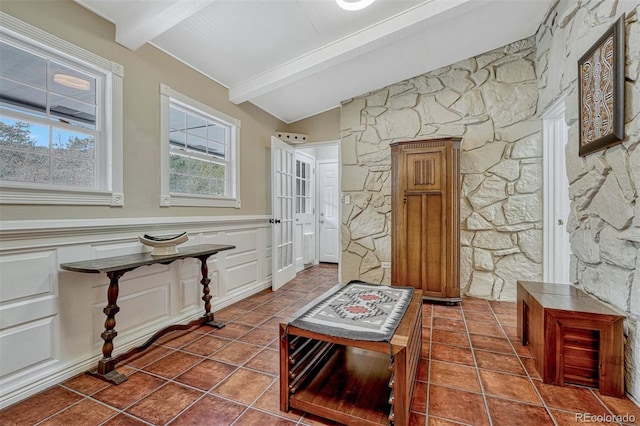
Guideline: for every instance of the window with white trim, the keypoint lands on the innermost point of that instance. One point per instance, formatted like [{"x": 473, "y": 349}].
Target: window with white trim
[
  {"x": 199, "y": 161},
  {"x": 60, "y": 139}
]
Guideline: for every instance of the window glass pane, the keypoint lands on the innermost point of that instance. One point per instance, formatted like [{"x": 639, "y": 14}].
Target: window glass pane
[
  {"x": 177, "y": 138},
  {"x": 22, "y": 66},
  {"x": 216, "y": 133},
  {"x": 72, "y": 172},
  {"x": 20, "y": 97},
  {"x": 179, "y": 183},
  {"x": 20, "y": 166},
  {"x": 73, "y": 111},
  {"x": 194, "y": 176},
  {"x": 197, "y": 143},
  {"x": 196, "y": 126},
  {"x": 177, "y": 119},
  {"x": 216, "y": 149},
  {"x": 71, "y": 83},
  {"x": 20, "y": 135},
  {"x": 72, "y": 144}
]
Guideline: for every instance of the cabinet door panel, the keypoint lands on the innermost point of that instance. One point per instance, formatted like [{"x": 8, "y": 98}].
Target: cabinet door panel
[
  {"x": 433, "y": 281},
  {"x": 414, "y": 241},
  {"x": 424, "y": 171},
  {"x": 424, "y": 243}
]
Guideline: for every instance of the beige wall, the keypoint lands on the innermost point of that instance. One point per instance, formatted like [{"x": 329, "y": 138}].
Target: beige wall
[
  {"x": 144, "y": 70},
  {"x": 321, "y": 127}
]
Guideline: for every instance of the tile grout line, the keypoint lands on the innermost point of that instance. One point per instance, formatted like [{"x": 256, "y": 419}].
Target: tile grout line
[
  {"x": 526, "y": 371},
  {"x": 475, "y": 363},
  {"x": 91, "y": 398}
]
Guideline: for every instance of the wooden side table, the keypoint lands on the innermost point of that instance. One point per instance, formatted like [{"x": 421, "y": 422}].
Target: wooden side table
[
  {"x": 574, "y": 337},
  {"x": 115, "y": 268}
]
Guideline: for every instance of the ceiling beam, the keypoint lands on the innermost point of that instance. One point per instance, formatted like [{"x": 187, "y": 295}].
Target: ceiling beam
[
  {"x": 145, "y": 20},
  {"x": 341, "y": 50}
]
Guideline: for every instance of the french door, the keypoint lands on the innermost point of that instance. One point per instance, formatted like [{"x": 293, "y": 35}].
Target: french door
[{"x": 282, "y": 197}]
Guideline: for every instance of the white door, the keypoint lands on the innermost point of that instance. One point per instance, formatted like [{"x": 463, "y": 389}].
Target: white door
[
  {"x": 328, "y": 203},
  {"x": 556, "y": 245},
  {"x": 282, "y": 180},
  {"x": 305, "y": 225}
]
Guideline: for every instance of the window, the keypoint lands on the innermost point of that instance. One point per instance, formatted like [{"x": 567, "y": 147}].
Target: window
[
  {"x": 303, "y": 187},
  {"x": 60, "y": 142},
  {"x": 199, "y": 155}
]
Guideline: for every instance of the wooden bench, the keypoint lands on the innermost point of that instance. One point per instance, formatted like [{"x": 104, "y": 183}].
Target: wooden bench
[
  {"x": 352, "y": 381},
  {"x": 573, "y": 337}
]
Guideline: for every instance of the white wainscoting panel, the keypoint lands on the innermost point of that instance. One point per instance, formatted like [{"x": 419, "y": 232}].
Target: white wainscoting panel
[
  {"x": 243, "y": 274},
  {"x": 33, "y": 343},
  {"x": 51, "y": 319},
  {"x": 137, "y": 310},
  {"x": 36, "y": 270}
]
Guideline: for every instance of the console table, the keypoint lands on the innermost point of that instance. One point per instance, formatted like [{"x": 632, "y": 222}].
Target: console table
[
  {"x": 354, "y": 382},
  {"x": 115, "y": 268},
  {"x": 574, "y": 337}
]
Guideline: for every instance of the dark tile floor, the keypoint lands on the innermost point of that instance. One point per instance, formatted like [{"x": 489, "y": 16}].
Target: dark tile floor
[{"x": 473, "y": 371}]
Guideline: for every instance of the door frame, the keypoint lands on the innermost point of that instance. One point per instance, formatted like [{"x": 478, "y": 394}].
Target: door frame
[
  {"x": 320, "y": 144},
  {"x": 556, "y": 247}
]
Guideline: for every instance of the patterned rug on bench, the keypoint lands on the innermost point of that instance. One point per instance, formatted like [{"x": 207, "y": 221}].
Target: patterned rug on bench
[{"x": 358, "y": 311}]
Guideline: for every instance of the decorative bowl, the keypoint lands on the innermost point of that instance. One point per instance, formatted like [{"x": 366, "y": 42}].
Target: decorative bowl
[{"x": 163, "y": 246}]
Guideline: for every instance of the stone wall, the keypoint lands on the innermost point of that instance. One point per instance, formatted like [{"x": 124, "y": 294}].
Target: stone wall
[
  {"x": 604, "y": 224},
  {"x": 490, "y": 101}
]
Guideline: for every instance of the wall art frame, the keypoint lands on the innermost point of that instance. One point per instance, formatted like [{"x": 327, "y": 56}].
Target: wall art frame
[{"x": 601, "y": 91}]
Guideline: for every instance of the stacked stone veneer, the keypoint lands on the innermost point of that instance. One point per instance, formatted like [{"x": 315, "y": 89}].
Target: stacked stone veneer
[
  {"x": 490, "y": 101},
  {"x": 604, "y": 224}
]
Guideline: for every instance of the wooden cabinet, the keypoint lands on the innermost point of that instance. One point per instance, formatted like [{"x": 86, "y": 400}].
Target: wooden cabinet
[{"x": 425, "y": 230}]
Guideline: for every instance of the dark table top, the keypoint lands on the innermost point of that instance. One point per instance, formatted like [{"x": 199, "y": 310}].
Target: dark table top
[{"x": 131, "y": 261}]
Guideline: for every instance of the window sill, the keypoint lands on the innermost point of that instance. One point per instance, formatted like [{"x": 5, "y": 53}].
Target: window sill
[
  {"x": 60, "y": 197},
  {"x": 180, "y": 200}
]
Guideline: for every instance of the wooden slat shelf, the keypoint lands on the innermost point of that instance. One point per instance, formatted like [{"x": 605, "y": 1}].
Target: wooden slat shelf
[{"x": 352, "y": 383}]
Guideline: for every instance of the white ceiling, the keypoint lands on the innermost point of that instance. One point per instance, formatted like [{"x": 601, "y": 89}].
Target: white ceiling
[{"x": 297, "y": 58}]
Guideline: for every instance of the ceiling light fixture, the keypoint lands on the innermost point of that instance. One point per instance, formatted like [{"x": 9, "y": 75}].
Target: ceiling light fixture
[
  {"x": 354, "y": 4},
  {"x": 71, "y": 81}
]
